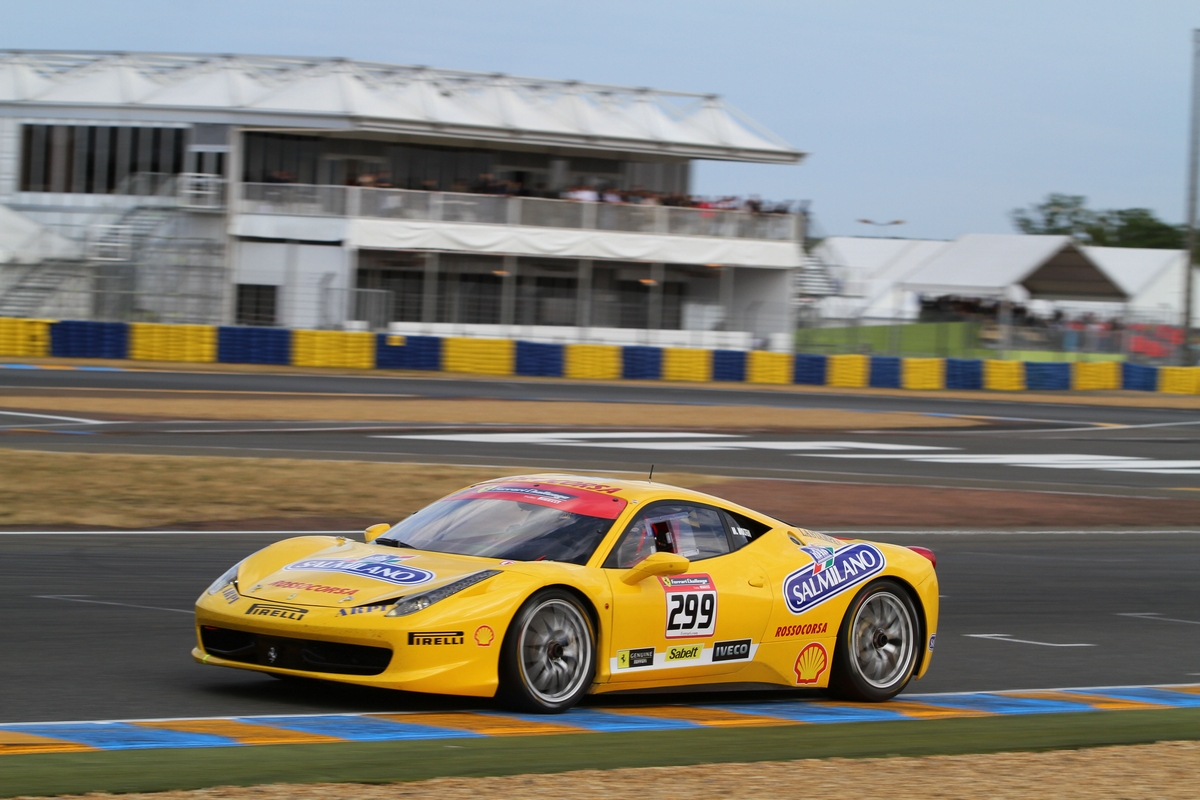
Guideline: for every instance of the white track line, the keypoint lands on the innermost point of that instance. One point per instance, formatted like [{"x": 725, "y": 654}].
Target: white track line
[
  {"x": 51, "y": 416},
  {"x": 1154, "y": 615},
  {"x": 977, "y": 532},
  {"x": 1004, "y": 637},
  {"x": 75, "y": 598}
]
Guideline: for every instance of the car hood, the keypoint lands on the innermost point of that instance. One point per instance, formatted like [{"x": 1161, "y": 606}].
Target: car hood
[{"x": 353, "y": 574}]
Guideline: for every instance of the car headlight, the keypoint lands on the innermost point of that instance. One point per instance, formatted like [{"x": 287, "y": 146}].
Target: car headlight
[
  {"x": 418, "y": 602},
  {"x": 229, "y": 577}
]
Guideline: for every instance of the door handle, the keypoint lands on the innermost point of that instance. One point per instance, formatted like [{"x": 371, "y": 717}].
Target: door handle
[{"x": 758, "y": 581}]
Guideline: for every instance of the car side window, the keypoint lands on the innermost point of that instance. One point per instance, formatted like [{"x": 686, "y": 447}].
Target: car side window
[
  {"x": 743, "y": 530},
  {"x": 694, "y": 532}
]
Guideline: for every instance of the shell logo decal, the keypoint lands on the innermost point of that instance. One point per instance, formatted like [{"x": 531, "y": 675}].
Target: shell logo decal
[
  {"x": 812, "y": 661},
  {"x": 484, "y": 635}
]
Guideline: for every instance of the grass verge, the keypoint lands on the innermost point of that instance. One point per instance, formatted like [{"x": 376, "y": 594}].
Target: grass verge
[{"x": 382, "y": 762}]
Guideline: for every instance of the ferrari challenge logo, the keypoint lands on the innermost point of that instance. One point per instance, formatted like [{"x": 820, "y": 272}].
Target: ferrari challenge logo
[
  {"x": 849, "y": 566},
  {"x": 389, "y": 569}
]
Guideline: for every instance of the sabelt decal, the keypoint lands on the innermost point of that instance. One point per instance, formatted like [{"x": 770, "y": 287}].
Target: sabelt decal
[
  {"x": 812, "y": 661},
  {"x": 389, "y": 569},
  {"x": 429, "y": 638},
  {"x": 738, "y": 650},
  {"x": 484, "y": 635},
  {"x": 691, "y": 606},
  {"x": 809, "y": 586},
  {"x": 684, "y": 652},
  {"x": 640, "y": 657},
  {"x": 273, "y": 610},
  {"x": 811, "y": 629}
]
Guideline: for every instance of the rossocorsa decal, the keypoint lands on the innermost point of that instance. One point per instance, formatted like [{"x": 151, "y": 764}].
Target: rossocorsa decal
[
  {"x": 785, "y": 631},
  {"x": 313, "y": 587},
  {"x": 390, "y": 569},
  {"x": 817, "y": 582},
  {"x": 272, "y": 610}
]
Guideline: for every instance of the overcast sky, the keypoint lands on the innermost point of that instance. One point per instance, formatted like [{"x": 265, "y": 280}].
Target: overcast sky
[{"x": 944, "y": 114}]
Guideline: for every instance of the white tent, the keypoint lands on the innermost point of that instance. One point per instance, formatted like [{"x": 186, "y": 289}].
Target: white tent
[{"x": 23, "y": 241}]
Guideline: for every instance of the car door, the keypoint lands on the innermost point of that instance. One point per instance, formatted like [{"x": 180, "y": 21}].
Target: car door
[{"x": 707, "y": 621}]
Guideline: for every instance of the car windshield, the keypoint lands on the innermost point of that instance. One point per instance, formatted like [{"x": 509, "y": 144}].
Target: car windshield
[{"x": 521, "y": 522}]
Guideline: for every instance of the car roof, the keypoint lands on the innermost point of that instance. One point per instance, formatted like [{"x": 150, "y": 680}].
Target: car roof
[{"x": 639, "y": 491}]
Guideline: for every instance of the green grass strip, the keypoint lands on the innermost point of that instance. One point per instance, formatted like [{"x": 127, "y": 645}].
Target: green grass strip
[{"x": 384, "y": 762}]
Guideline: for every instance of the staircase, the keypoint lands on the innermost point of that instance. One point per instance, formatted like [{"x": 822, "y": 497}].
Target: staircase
[
  {"x": 40, "y": 282},
  {"x": 813, "y": 278}
]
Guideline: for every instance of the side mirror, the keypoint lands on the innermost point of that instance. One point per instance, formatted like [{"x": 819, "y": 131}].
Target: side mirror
[
  {"x": 654, "y": 565},
  {"x": 375, "y": 531}
]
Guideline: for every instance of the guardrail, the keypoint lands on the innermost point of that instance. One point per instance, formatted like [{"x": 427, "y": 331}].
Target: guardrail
[
  {"x": 363, "y": 350},
  {"x": 299, "y": 199}
]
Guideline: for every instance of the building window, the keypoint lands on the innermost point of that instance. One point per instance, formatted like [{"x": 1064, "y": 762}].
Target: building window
[
  {"x": 256, "y": 304},
  {"x": 99, "y": 159}
]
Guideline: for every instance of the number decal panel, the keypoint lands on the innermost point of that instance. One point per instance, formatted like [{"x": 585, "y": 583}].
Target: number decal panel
[{"x": 691, "y": 606}]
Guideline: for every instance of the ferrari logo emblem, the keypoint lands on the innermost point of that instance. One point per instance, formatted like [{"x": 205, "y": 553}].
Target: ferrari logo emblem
[{"x": 623, "y": 659}]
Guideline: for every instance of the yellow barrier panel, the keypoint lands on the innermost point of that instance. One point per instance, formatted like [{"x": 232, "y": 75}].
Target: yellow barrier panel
[
  {"x": 849, "y": 371},
  {"x": 1007, "y": 376},
  {"x": 763, "y": 366},
  {"x": 598, "y": 361},
  {"x": 156, "y": 342},
  {"x": 923, "y": 373},
  {"x": 346, "y": 349},
  {"x": 1093, "y": 375},
  {"x": 685, "y": 364},
  {"x": 479, "y": 356},
  {"x": 24, "y": 337},
  {"x": 1179, "y": 380}
]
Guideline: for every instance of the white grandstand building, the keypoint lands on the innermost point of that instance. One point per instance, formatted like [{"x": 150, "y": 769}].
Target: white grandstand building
[{"x": 316, "y": 192}]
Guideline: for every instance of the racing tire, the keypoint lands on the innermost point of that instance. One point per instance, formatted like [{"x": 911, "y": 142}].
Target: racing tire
[
  {"x": 877, "y": 645},
  {"x": 548, "y": 660}
]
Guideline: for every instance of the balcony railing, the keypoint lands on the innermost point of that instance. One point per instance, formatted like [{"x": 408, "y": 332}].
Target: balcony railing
[{"x": 353, "y": 201}]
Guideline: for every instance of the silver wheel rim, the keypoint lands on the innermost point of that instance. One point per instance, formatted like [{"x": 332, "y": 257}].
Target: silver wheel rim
[
  {"x": 881, "y": 640},
  {"x": 555, "y": 651}
]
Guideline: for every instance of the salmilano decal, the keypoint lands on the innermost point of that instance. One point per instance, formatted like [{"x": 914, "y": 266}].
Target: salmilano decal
[
  {"x": 809, "y": 586},
  {"x": 389, "y": 569}
]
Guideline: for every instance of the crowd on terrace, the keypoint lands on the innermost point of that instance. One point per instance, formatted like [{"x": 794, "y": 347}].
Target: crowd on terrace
[{"x": 488, "y": 183}]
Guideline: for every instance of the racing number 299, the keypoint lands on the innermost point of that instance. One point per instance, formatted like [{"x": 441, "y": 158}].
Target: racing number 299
[{"x": 691, "y": 614}]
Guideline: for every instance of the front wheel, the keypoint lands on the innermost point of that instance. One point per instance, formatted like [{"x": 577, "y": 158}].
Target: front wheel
[
  {"x": 549, "y": 656},
  {"x": 876, "y": 651}
]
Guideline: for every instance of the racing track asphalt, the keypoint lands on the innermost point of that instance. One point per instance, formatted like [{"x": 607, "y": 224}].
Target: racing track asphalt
[
  {"x": 98, "y": 626},
  {"x": 1017, "y": 608}
]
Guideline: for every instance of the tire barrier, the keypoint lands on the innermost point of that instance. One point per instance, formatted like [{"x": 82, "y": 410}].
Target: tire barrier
[
  {"x": 24, "y": 337},
  {"x": 195, "y": 344},
  {"x": 254, "y": 346},
  {"x": 359, "y": 350}
]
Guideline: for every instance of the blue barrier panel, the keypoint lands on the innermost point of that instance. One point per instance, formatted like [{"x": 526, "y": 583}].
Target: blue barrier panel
[
  {"x": 964, "y": 373},
  {"x": 1047, "y": 375},
  {"x": 729, "y": 365},
  {"x": 810, "y": 369},
  {"x": 236, "y": 345},
  {"x": 416, "y": 352},
  {"x": 539, "y": 359},
  {"x": 885, "y": 372},
  {"x": 1139, "y": 377},
  {"x": 644, "y": 363},
  {"x": 85, "y": 339}
]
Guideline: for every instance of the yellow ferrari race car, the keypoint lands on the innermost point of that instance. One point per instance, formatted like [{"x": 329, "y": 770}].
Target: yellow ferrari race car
[{"x": 543, "y": 588}]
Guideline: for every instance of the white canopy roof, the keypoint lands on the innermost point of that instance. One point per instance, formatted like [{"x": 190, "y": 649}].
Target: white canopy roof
[
  {"x": 328, "y": 93},
  {"x": 1135, "y": 268}
]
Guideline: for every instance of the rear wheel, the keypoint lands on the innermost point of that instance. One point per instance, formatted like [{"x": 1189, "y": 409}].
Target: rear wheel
[
  {"x": 549, "y": 655},
  {"x": 876, "y": 651}
]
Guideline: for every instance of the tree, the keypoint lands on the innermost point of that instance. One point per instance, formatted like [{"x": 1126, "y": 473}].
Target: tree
[{"x": 1068, "y": 215}]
